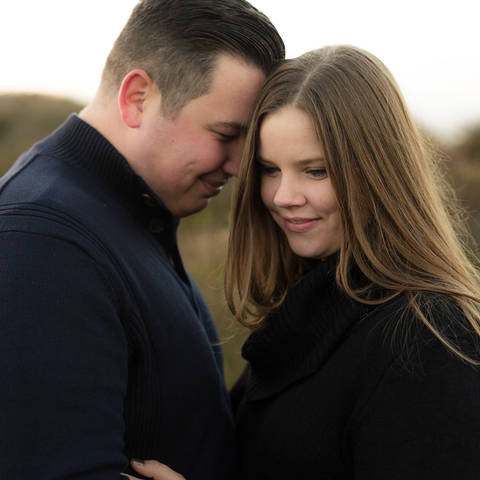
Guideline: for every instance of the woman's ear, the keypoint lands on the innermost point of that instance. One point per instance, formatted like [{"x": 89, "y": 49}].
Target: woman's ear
[{"x": 134, "y": 90}]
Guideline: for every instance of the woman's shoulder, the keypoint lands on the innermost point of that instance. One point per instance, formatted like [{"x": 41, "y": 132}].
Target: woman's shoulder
[
  {"x": 417, "y": 401},
  {"x": 414, "y": 331}
]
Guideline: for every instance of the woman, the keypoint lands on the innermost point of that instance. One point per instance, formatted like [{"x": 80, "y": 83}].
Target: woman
[
  {"x": 346, "y": 260},
  {"x": 364, "y": 306}
]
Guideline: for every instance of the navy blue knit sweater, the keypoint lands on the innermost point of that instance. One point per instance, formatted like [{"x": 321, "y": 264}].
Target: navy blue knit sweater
[{"x": 107, "y": 349}]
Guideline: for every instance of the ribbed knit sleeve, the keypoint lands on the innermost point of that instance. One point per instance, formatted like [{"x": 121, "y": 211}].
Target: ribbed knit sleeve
[{"x": 63, "y": 350}]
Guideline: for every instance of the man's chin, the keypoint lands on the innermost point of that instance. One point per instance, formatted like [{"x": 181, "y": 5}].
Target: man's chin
[{"x": 191, "y": 209}]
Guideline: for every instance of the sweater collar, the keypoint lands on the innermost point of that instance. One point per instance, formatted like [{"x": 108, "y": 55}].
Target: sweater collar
[
  {"x": 78, "y": 143},
  {"x": 301, "y": 334}
]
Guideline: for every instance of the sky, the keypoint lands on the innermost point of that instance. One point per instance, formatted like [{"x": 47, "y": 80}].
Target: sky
[{"x": 431, "y": 46}]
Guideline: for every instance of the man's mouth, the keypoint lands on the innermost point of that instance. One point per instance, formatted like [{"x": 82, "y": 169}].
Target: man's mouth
[{"x": 213, "y": 187}]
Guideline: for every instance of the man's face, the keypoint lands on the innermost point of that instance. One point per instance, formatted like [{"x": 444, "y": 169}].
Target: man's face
[{"x": 186, "y": 159}]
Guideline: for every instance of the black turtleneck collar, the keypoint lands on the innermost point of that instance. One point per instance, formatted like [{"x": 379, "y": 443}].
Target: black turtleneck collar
[{"x": 301, "y": 334}]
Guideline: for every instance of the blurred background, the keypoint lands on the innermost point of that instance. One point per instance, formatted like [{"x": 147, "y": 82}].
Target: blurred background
[{"x": 52, "y": 55}]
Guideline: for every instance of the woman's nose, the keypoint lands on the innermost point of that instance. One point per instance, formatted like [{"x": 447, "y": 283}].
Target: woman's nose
[{"x": 288, "y": 193}]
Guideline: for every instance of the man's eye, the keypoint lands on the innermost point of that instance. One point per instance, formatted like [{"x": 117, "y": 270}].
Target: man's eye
[{"x": 223, "y": 137}]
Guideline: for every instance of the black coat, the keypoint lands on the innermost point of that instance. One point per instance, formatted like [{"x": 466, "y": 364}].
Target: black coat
[{"x": 338, "y": 390}]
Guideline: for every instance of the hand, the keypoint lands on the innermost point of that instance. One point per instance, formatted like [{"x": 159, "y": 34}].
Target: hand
[{"x": 153, "y": 469}]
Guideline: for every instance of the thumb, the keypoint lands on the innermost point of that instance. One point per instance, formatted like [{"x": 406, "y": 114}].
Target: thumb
[{"x": 155, "y": 470}]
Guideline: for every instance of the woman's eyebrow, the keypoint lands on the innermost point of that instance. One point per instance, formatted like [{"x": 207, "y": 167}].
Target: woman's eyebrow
[{"x": 303, "y": 163}]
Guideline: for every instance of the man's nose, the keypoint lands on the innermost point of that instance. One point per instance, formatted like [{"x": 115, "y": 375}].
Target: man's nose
[{"x": 233, "y": 157}]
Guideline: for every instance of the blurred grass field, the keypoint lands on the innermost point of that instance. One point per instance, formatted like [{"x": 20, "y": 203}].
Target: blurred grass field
[
  {"x": 25, "y": 119},
  {"x": 203, "y": 251}
]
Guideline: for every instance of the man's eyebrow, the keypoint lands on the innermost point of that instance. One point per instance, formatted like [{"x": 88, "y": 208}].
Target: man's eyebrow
[{"x": 242, "y": 128}]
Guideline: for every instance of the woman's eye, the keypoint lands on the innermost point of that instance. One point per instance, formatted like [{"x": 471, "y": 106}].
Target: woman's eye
[{"x": 317, "y": 172}]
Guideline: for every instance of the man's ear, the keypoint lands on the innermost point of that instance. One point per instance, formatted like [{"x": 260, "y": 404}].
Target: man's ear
[{"x": 135, "y": 88}]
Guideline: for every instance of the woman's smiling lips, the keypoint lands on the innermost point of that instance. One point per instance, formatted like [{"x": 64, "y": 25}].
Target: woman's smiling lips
[{"x": 299, "y": 225}]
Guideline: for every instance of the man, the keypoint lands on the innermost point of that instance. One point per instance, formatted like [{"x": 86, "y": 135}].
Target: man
[{"x": 107, "y": 349}]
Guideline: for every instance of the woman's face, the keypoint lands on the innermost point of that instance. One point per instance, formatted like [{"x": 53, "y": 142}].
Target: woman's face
[{"x": 295, "y": 186}]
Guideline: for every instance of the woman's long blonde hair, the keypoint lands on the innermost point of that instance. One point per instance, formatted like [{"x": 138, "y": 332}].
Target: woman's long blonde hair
[{"x": 401, "y": 228}]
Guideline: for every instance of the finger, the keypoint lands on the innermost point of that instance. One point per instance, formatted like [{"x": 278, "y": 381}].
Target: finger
[{"x": 155, "y": 470}]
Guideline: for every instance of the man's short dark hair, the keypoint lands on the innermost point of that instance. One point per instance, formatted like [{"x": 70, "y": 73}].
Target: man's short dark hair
[{"x": 177, "y": 43}]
